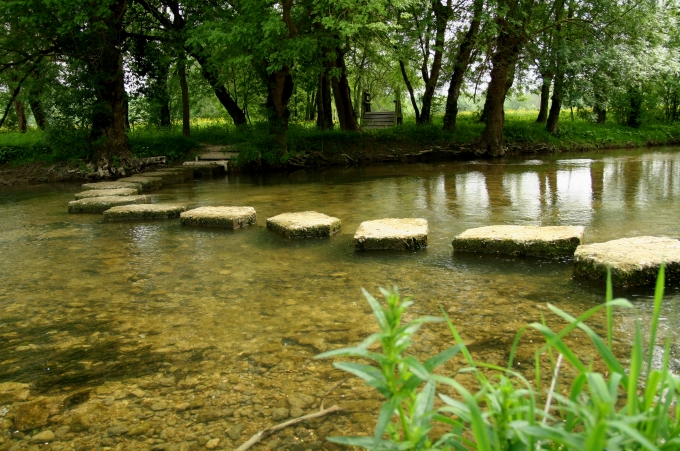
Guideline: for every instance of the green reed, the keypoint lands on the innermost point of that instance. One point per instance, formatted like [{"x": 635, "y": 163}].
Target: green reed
[{"x": 631, "y": 406}]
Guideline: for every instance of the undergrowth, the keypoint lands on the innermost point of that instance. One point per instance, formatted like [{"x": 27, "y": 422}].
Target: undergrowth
[{"x": 631, "y": 406}]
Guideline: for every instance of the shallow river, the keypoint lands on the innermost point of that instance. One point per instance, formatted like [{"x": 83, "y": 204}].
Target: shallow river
[{"x": 150, "y": 335}]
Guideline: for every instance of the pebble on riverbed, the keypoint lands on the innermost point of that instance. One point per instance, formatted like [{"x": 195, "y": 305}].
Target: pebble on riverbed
[
  {"x": 531, "y": 241},
  {"x": 407, "y": 234},
  {"x": 147, "y": 183},
  {"x": 305, "y": 224},
  {"x": 101, "y": 204},
  {"x": 107, "y": 192},
  {"x": 145, "y": 211},
  {"x": 111, "y": 185},
  {"x": 229, "y": 217},
  {"x": 633, "y": 261}
]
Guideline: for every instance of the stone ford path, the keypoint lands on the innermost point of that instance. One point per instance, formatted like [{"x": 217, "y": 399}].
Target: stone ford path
[
  {"x": 633, "y": 261},
  {"x": 531, "y": 241}
]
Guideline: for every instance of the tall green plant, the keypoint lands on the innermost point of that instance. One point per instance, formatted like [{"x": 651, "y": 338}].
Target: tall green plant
[{"x": 632, "y": 406}]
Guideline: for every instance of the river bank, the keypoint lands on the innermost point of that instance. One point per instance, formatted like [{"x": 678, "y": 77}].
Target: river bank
[{"x": 31, "y": 158}]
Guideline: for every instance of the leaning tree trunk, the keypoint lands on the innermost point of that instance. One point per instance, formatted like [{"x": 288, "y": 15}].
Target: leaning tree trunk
[
  {"x": 342, "y": 94},
  {"x": 545, "y": 98},
  {"x": 279, "y": 91},
  {"x": 460, "y": 67},
  {"x": 38, "y": 113},
  {"x": 324, "y": 103},
  {"x": 552, "y": 124},
  {"x": 441, "y": 19},
  {"x": 411, "y": 94}
]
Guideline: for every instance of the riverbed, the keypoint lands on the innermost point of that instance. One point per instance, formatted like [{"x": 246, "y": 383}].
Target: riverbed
[{"x": 150, "y": 335}]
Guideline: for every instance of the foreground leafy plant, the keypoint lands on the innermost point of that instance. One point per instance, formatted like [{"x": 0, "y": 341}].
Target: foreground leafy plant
[{"x": 633, "y": 406}]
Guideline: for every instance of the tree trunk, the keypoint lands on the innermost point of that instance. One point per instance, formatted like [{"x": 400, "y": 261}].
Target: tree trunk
[
  {"x": 553, "y": 123},
  {"x": 635, "y": 111},
  {"x": 511, "y": 80},
  {"x": 21, "y": 115},
  {"x": 412, "y": 96},
  {"x": 460, "y": 67},
  {"x": 545, "y": 98},
  {"x": 184, "y": 87},
  {"x": 211, "y": 76},
  {"x": 441, "y": 19},
  {"x": 342, "y": 94},
  {"x": 279, "y": 91},
  {"x": 126, "y": 109},
  {"x": 38, "y": 113},
  {"x": 324, "y": 118}
]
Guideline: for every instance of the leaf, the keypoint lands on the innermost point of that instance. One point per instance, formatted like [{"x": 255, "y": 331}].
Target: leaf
[
  {"x": 377, "y": 310},
  {"x": 441, "y": 358}
]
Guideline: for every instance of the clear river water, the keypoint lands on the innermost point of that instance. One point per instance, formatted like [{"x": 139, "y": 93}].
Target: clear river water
[{"x": 150, "y": 335}]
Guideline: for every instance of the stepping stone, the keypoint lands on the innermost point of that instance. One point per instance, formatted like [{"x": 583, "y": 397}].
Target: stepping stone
[
  {"x": 147, "y": 183},
  {"x": 168, "y": 178},
  {"x": 207, "y": 168},
  {"x": 187, "y": 172},
  {"x": 532, "y": 241},
  {"x": 305, "y": 224},
  {"x": 107, "y": 192},
  {"x": 112, "y": 185},
  {"x": 230, "y": 217},
  {"x": 145, "y": 211},
  {"x": 407, "y": 234},
  {"x": 101, "y": 204},
  {"x": 633, "y": 261}
]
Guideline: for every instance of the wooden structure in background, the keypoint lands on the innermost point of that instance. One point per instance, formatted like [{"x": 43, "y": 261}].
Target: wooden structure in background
[{"x": 379, "y": 119}]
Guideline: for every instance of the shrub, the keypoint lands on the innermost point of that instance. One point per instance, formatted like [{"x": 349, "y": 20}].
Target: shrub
[{"x": 632, "y": 406}]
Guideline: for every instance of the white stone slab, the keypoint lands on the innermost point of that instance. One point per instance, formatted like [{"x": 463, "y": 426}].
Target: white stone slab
[
  {"x": 533, "y": 241},
  {"x": 101, "y": 204},
  {"x": 107, "y": 192},
  {"x": 230, "y": 217},
  {"x": 111, "y": 185},
  {"x": 145, "y": 211},
  {"x": 633, "y": 261},
  {"x": 304, "y": 224},
  {"x": 392, "y": 234}
]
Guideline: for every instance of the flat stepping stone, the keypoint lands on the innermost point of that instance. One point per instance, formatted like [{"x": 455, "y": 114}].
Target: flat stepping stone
[
  {"x": 147, "y": 183},
  {"x": 531, "y": 241},
  {"x": 145, "y": 211},
  {"x": 107, "y": 192},
  {"x": 407, "y": 234},
  {"x": 101, "y": 204},
  {"x": 186, "y": 172},
  {"x": 111, "y": 185},
  {"x": 207, "y": 168},
  {"x": 168, "y": 178},
  {"x": 305, "y": 224},
  {"x": 229, "y": 217},
  {"x": 633, "y": 261}
]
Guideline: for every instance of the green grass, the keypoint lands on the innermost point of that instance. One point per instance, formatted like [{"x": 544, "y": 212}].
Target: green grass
[
  {"x": 630, "y": 405},
  {"x": 255, "y": 143}
]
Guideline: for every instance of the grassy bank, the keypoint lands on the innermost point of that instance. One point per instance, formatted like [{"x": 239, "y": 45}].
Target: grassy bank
[{"x": 522, "y": 133}]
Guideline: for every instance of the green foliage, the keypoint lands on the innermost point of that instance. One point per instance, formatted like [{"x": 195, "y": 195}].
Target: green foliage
[
  {"x": 154, "y": 141},
  {"x": 629, "y": 407}
]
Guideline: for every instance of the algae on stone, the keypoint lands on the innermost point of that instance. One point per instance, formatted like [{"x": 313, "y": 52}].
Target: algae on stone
[
  {"x": 392, "y": 234},
  {"x": 107, "y": 193},
  {"x": 632, "y": 261},
  {"x": 147, "y": 183},
  {"x": 230, "y": 217},
  {"x": 145, "y": 211},
  {"x": 112, "y": 185},
  {"x": 532, "y": 241},
  {"x": 305, "y": 224},
  {"x": 101, "y": 204}
]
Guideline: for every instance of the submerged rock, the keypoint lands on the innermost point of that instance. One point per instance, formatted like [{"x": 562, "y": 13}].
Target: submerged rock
[
  {"x": 186, "y": 172},
  {"x": 13, "y": 392},
  {"x": 147, "y": 183},
  {"x": 391, "y": 234},
  {"x": 111, "y": 185},
  {"x": 43, "y": 437},
  {"x": 167, "y": 177},
  {"x": 533, "y": 241},
  {"x": 101, "y": 204},
  {"x": 230, "y": 217},
  {"x": 305, "y": 224},
  {"x": 107, "y": 193},
  {"x": 633, "y": 261},
  {"x": 145, "y": 211}
]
